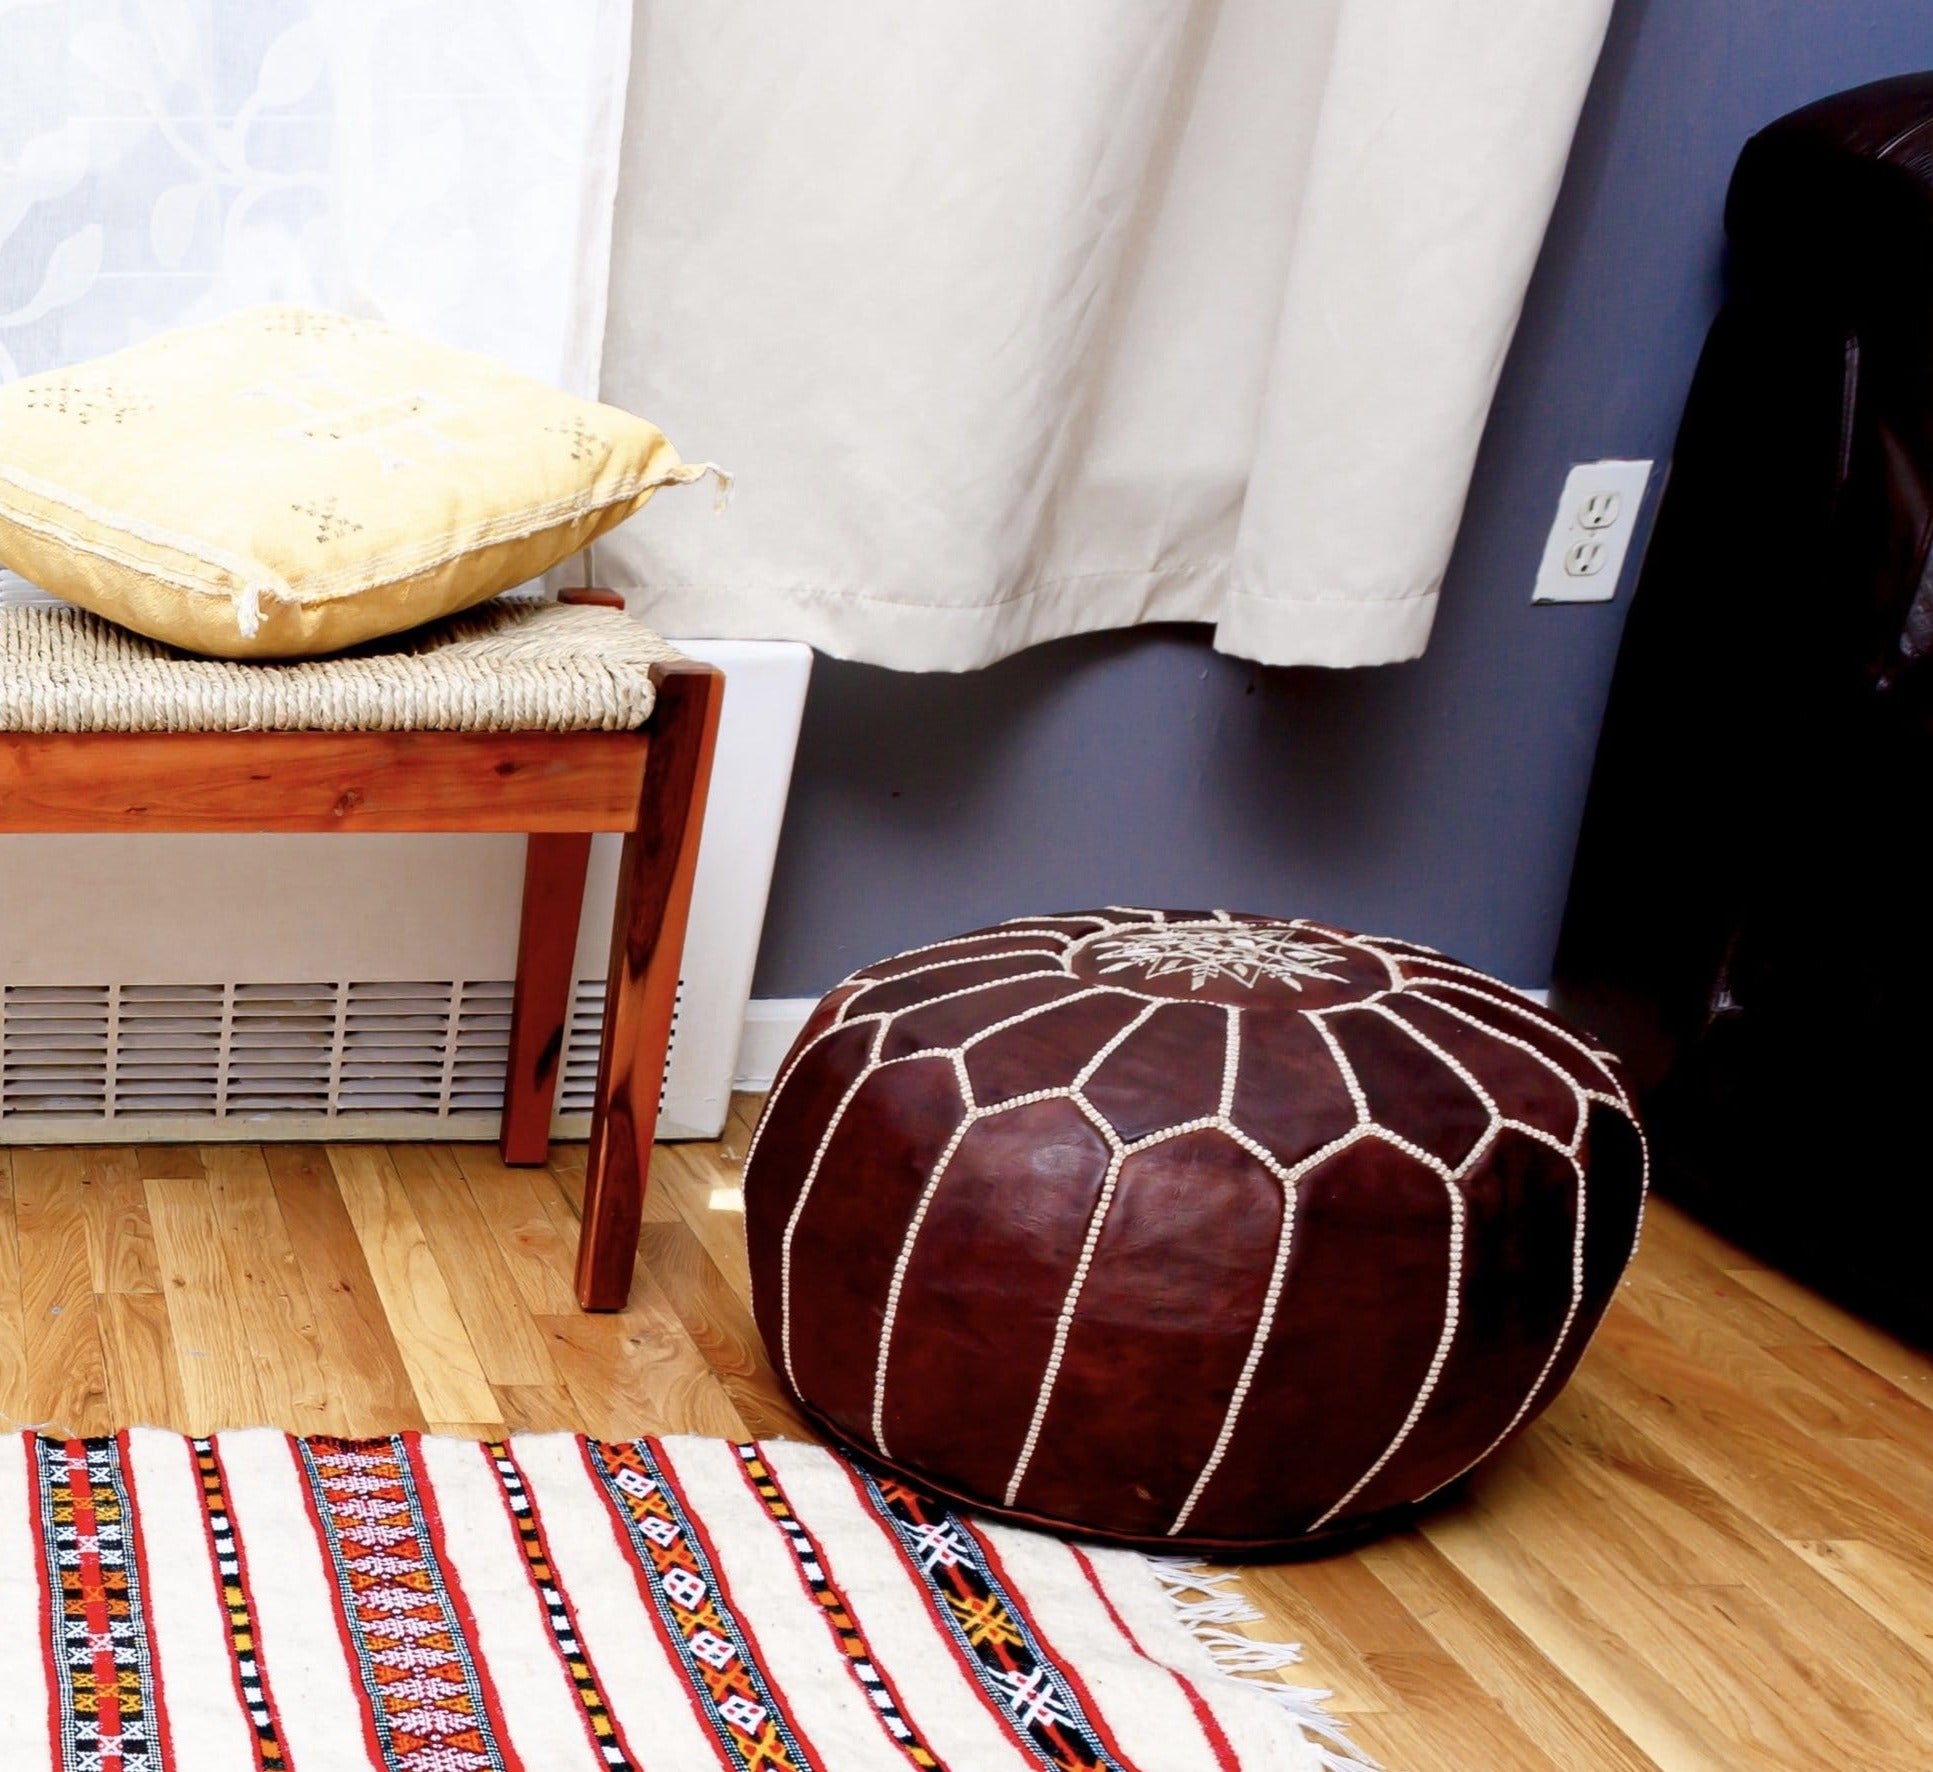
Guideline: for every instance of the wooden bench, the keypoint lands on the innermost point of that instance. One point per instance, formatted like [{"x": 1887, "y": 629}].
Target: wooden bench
[{"x": 61, "y": 770}]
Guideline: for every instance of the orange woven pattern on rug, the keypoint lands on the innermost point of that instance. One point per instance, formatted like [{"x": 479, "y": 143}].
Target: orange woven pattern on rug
[{"x": 257, "y": 1603}]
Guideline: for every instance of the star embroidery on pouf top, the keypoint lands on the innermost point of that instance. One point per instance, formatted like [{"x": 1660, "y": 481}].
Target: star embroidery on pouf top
[{"x": 1233, "y": 951}]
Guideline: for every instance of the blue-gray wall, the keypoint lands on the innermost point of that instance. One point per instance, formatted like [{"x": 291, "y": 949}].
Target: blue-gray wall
[{"x": 1439, "y": 799}]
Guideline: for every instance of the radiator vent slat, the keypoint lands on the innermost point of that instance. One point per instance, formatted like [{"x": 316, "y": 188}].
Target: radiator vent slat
[
  {"x": 393, "y": 1044},
  {"x": 53, "y": 1059},
  {"x": 166, "y": 1046},
  {"x": 286, "y": 1059},
  {"x": 577, "y": 1078}
]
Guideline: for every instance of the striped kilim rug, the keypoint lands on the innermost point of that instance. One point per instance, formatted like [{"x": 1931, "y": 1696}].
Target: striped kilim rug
[{"x": 254, "y": 1602}]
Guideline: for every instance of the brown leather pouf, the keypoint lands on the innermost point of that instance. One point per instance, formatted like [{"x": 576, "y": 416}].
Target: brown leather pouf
[{"x": 1183, "y": 1228}]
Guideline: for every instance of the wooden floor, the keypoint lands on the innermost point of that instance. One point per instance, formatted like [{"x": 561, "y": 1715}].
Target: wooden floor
[{"x": 1715, "y": 1551}]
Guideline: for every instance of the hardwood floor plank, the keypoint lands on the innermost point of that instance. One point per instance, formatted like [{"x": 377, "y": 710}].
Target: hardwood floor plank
[
  {"x": 1880, "y": 1409},
  {"x": 63, "y": 1384},
  {"x": 1738, "y": 1338},
  {"x": 635, "y": 1371},
  {"x": 1505, "y": 1663},
  {"x": 219, "y": 1381},
  {"x": 1714, "y": 1549},
  {"x": 1438, "y": 1701},
  {"x": 720, "y": 1327},
  {"x": 567, "y": 1179},
  {"x": 368, "y": 1383},
  {"x": 517, "y": 1205},
  {"x": 1825, "y": 1396},
  {"x": 539, "y": 1409},
  {"x": 442, "y": 1364},
  {"x": 143, "y": 1375},
  {"x": 1338, "y": 1613},
  {"x": 120, "y": 1241},
  {"x": 1791, "y": 1483},
  {"x": 741, "y": 1122},
  {"x": 1908, "y": 1367},
  {"x": 486, "y": 1294},
  {"x": 705, "y": 1196},
  {"x": 277, "y": 1311},
  {"x": 1690, "y": 1570},
  {"x": 567, "y": 1183},
  {"x": 1781, "y": 1697},
  {"x": 168, "y": 1162},
  {"x": 1591, "y": 1651},
  {"x": 13, "y": 1332},
  {"x": 1898, "y": 1596}
]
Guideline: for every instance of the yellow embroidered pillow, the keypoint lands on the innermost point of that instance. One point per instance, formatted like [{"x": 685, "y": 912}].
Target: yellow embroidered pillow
[{"x": 286, "y": 482}]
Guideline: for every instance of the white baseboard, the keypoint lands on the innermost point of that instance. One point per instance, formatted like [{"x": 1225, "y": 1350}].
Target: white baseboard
[{"x": 771, "y": 1025}]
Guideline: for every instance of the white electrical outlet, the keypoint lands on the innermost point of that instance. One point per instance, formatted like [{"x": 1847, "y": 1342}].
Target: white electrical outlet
[{"x": 1584, "y": 557}]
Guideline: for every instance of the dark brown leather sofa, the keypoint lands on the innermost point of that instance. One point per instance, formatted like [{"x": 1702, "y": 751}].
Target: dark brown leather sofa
[{"x": 1751, "y": 916}]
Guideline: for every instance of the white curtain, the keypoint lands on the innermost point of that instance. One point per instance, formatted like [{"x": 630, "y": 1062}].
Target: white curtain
[
  {"x": 446, "y": 164},
  {"x": 1015, "y": 320},
  {"x": 1019, "y": 320}
]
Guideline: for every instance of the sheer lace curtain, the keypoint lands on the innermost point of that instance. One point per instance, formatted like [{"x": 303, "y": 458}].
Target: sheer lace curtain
[{"x": 446, "y": 164}]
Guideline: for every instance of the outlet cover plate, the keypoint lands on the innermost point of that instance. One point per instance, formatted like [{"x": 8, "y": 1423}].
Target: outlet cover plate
[{"x": 1585, "y": 551}]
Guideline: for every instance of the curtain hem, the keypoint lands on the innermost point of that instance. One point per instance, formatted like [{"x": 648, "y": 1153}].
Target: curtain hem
[
  {"x": 1325, "y": 631},
  {"x": 938, "y": 637}
]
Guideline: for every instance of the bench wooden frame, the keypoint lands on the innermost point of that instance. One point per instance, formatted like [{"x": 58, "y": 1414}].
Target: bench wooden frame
[{"x": 556, "y": 787}]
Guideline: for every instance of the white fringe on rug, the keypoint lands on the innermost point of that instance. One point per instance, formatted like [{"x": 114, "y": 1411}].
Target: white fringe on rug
[{"x": 1243, "y": 1662}]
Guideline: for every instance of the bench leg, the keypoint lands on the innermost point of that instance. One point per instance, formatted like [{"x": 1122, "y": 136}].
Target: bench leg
[
  {"x": 554, "y": 865},
  {"x": 647, "y": 946}
]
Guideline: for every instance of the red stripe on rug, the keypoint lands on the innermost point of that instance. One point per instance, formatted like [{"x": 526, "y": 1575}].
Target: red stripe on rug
[
  {"x": 539, "y": 1544},
  {"x": 737, "y": 1611},
  {"x": 970, "y": 1670},
  {"x": 138, "y": 1541},
  {"x": 79, "y": 1490},
  {"x": 621, "y": 1538},
  {"x": 1218, "y": 1742},
  {"x": 1068, "y": 1671},
  {"x": 916, "y": 1749},
  {"x": 325, "y": 1551},
  {"x": 438, "y": 1548},
  {"x": 56, "y": 1721}
]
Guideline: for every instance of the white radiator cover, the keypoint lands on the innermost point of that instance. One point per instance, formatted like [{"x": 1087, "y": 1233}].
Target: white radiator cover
[{"x": 187, "y": 988}]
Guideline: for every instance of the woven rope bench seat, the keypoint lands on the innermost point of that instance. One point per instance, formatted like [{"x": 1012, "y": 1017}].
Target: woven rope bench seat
[{"x": 515, "y": 665}]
